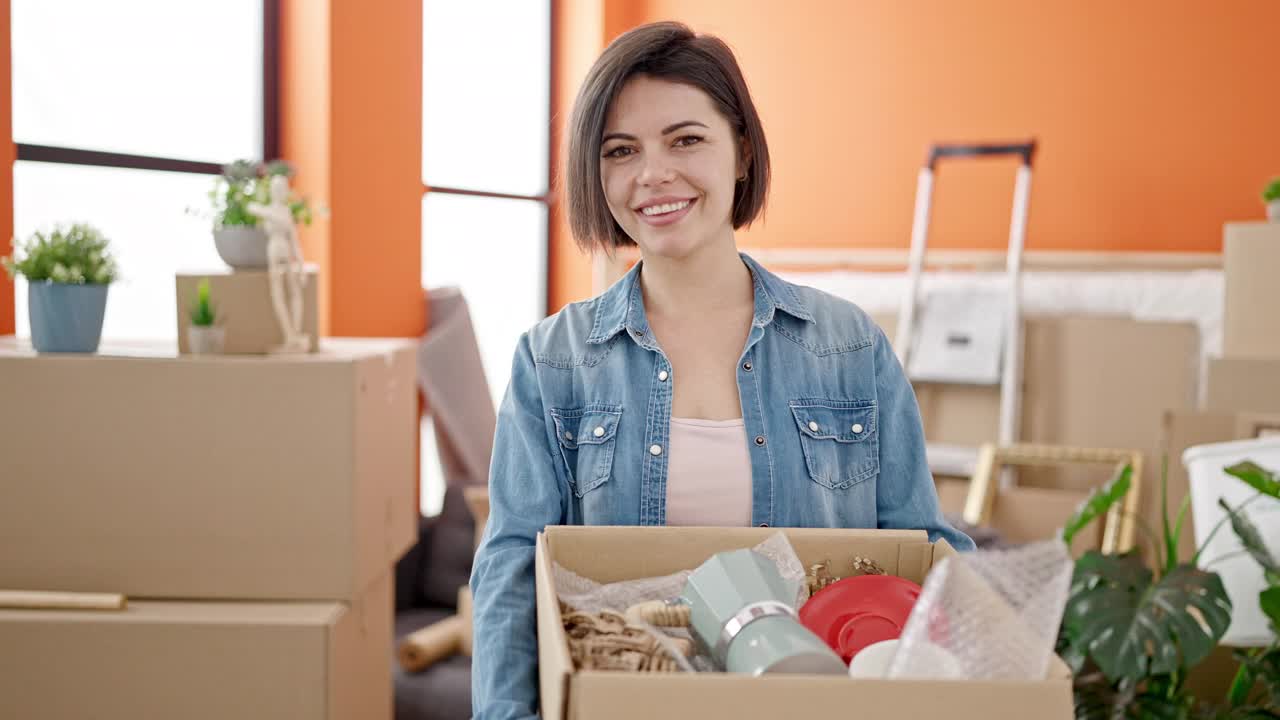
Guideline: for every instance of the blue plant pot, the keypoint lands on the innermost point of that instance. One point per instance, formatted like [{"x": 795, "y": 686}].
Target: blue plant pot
[{"x": 66, "y": 318}]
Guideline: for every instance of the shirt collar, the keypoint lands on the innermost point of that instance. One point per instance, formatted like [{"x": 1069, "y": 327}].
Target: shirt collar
[{"x": 621, "y": 307}]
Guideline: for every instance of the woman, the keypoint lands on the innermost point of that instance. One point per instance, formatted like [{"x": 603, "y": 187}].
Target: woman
[{"x": 698, "y": 390}]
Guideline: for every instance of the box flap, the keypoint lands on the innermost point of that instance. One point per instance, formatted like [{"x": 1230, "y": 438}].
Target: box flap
[
  {"x": 610, "y": 554},
  {"x": 554, "y": 663}
]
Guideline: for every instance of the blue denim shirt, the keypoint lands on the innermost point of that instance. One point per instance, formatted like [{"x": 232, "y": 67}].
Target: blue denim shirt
[{"x": 834, "y": 432}]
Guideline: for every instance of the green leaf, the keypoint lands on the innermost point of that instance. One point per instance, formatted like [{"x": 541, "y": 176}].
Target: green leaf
[
  {"x": 1133, "y": 628},
  {"x": 1098, "y": 503},
  {"x": 1269, "y": 599},
  {"x": 1250, "y": 537},
  {"x": 1259, "y": 478}
]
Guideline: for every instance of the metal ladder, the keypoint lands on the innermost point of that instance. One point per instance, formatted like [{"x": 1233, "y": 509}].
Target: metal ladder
[{"x": 953, "y": 459}]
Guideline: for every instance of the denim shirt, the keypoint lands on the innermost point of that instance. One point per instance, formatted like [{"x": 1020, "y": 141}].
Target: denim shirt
[{"x": 832, "y": 427}]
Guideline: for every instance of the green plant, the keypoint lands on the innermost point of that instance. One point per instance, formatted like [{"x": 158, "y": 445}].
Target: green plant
[
  {"x": 1131, "y": 634},
  {"x": 202, "y": 312},
  {"x": 1257, "y": 681},
  {"x": 1271, "y": 192},
  {"x": 75, "y": 255},
  {"x": 243, "y": 182}
]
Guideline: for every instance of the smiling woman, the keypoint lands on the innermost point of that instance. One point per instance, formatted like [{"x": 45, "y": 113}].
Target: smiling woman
[{"x": 700, "y": 389}]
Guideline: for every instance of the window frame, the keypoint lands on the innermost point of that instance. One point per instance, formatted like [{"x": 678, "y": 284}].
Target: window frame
[
  {"x": 545, "y": 198},
  {"x": 270, "y": 121}
]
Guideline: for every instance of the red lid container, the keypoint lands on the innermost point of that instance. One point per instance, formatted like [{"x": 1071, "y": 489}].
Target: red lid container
[{"x": 855, "y": 612}]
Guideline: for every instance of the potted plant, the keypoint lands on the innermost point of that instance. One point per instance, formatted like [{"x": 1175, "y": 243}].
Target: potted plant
[
  {"x": 1271, "y": 196},
  {"x": 241, "y": 243},
  {"x": 1132, "y": 633},
  {"x": 204, "y": 335},
  {"x": 68, "y": 272}
]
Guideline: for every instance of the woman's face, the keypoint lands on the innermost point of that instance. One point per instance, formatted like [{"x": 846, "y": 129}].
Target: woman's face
[{"x": 669, "y": 164}]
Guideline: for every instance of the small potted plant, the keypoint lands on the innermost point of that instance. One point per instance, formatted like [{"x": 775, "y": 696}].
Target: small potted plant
[
  {"x": 241, "y": 243},
  {"x": 1271, "y": 196},
  {"x": 68, "y": 272},
  {"x": 204, "y": 335}
]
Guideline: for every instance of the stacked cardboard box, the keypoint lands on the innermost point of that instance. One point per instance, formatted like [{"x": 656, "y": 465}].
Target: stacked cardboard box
[
  {"x": 251, "y": 508},
  {"x": 242, "y": 300},
  {"x": 1247, "y": 376}
]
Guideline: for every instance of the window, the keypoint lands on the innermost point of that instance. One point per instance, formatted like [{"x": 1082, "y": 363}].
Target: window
[
  {"x": 123, "y": 113},
  {"x": 486, "y": 98}
]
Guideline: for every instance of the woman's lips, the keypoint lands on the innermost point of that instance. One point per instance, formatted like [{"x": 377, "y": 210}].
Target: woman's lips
[{"x": 667, "y": 218}]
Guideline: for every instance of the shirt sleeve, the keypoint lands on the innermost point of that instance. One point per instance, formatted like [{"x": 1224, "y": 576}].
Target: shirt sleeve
[
  {"x": 524, "y": 497},
  {"x": 906, "y": 496}
]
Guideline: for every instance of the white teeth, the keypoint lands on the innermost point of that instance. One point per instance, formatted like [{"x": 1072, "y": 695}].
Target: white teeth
[{"x": 663, "y": 209}]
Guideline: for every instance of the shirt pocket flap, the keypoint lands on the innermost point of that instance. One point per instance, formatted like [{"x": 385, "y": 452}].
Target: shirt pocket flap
[
  {"x": 843, "y": 422},
  {"x": 587, "y": 426}
]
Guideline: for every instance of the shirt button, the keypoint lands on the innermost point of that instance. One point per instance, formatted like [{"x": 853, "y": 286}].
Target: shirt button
[
  {"x": 813, "y": 426},
  {"x": 746, "y": 366},
  {"x": 598, "y": 432},
  {"x": 759, "y": 439},
  {"x": 663, "y": 376},
  {"x": 568, "y": 435},
  {"x": 856, "y": 429},
  {"x": 655, "y": 449}
]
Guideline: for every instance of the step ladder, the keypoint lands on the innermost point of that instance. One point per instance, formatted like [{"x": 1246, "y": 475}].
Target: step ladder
[{"x": 959, "y": 460}]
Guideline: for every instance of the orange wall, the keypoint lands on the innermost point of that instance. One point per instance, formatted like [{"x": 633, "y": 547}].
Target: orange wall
[
  {"x": 305, "y": 126},
  {"x": 1156, "y": 120},
  {"x": 578, "y": 35},
  {"x": 7, "y": 155},
  {"x": 351, "y": 106},
  {"x": 376, "y": 246}
]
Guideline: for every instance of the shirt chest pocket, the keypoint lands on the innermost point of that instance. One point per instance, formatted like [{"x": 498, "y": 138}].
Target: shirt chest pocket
[
  {"x": 586, "y": 438},
  {"x": 839, "y": 441}
]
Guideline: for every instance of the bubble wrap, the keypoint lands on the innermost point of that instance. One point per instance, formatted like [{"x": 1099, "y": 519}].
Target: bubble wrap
[
  {"x": 987, "y": 615},
  {"x": 589, "y": 596}
]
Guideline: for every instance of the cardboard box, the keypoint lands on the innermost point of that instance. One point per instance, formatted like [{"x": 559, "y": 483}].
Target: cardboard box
[
  {"x": 249, "y": 477},
  {"x": 610, "y": 554},
  {"x": 197, "y": 660},
  {"x": 243, "y": 298},
  {"x": 1241, "y": 384},
  {"x": 1251, "y": 265}
]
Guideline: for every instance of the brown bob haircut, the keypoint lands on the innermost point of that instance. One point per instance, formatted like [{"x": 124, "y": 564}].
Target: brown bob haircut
[{"x": 669, "y": 51}]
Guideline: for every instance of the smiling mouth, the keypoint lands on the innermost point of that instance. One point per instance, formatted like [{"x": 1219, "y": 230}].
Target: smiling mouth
[{"x": 665, "y": 209}]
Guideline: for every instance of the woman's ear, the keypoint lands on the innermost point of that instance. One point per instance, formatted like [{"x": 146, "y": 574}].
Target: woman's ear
[{"x": 744, "y": 158}]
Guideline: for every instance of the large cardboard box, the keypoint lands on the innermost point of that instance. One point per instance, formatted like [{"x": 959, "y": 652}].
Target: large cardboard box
[
  {"x": 1243, "y": 384},
  {"x": 269, "y": 478},
  {"x": 243, "y": 298},
  {"x": 198, "y": 660},
  {"x": 1251, "y": 266},
  {"x": 610, "y": 554}
]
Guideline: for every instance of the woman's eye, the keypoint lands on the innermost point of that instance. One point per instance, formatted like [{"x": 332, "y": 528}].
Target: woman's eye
[
  {"x": 687, "y": 140},
  {"x": 617, "y": 152}
]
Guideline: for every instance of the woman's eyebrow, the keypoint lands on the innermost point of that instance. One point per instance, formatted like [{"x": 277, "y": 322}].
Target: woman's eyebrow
[{"x": 665, "y": 131}]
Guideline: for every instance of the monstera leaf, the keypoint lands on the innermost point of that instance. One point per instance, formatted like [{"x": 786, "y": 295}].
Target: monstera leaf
[{"x": 1133, "y": 627}]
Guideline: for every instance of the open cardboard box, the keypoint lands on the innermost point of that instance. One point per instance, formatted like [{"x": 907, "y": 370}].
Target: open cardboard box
[{"x": 612, "y": 554}]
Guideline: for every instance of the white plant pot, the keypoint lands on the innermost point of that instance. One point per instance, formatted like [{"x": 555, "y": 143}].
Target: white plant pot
[
  {"x": 206, "y": 339},
  {"x": 241, "y": 247},
  {"x": 1273, "y": 211}
]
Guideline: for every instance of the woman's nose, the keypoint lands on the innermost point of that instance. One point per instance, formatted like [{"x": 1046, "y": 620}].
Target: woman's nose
[{"x": 655, "y": 170}]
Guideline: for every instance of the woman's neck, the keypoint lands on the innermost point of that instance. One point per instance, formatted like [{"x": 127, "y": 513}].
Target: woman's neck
[{"x": 712, "y": 279}]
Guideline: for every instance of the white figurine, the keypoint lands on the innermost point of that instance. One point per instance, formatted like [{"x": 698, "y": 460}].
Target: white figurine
[{"x": 284, "y": 265}]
